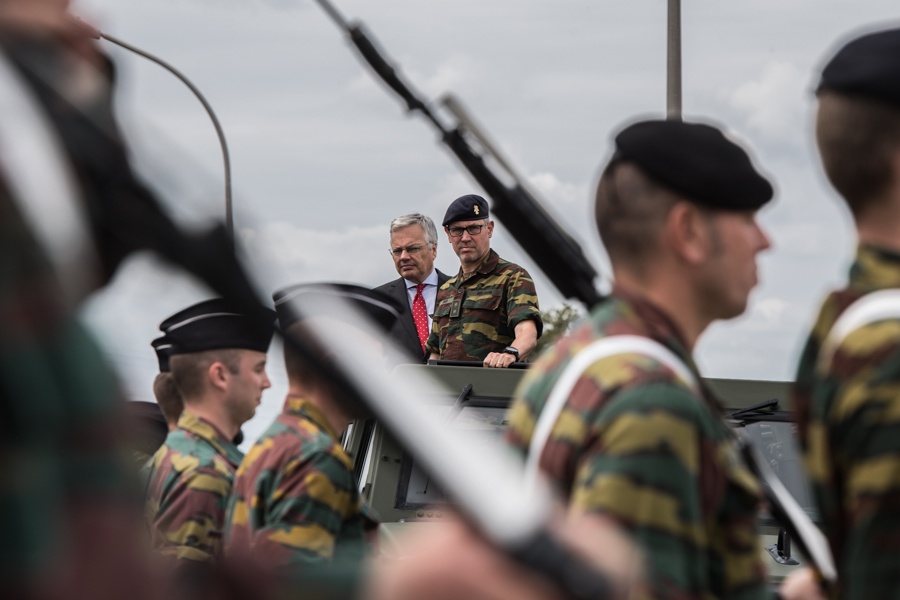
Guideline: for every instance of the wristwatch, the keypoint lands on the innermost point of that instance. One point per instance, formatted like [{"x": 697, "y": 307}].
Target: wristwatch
[{"x": 511, "y": 350}]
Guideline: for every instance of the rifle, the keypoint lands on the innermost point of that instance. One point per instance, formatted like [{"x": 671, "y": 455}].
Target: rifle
[{"x": 557, "y": 254}]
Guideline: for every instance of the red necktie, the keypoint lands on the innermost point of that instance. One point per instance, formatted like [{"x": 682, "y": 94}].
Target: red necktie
[{"x": 420, "y": 315}]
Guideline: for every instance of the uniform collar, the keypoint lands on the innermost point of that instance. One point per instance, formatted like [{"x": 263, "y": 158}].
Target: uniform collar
[
  {"x": 297, "y": 406},
  {"x": 659, "y": 326},
  {"x": 874, "y": 269},
  {"x": 488, "y": 264},
  {"x": 207, "y": 432}
]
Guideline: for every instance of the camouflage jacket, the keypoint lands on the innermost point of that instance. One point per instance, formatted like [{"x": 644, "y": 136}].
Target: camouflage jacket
[
  {"x": 849, "y": 421},
  {"x": 188, "y": 487},
  {"x": 476, "y": 316},
  {"x": 295, "y": 501},
  {"x": 635, "y": 443}
]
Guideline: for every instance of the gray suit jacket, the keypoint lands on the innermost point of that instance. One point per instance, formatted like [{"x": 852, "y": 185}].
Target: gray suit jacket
[{"x": 404, "y": 330}]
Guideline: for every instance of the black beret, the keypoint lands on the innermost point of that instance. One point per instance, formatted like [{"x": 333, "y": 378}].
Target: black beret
[
  {"x": 868, "y": 65},
  {"x": 213, "y": 325},
  {"x": 290, "y": 307},
  {"x": 470, "y": 207},
  {"x": 163, "y": 347},
  {"x": 696, "y": 161}
]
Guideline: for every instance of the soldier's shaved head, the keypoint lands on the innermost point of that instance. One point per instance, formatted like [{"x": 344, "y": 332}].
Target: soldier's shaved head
[
  {"x": 630, "y": 211},
  {"x": 858, "y": 140}
]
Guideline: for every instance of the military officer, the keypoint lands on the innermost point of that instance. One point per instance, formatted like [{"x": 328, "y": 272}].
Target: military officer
[
  {"x": 489, "y": 311},
  {"x": 295, "y": 505},
  {"x": 846, "y": 386},
  {"x": 218, "y": 362},
  {"x": 617, "y": 414}
]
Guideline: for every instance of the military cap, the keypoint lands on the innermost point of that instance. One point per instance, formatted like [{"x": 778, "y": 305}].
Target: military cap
[
  {"x": 470, "y": 207},
  {"x": 163, "y": 348},
  {"x": 290, "y": 306},
  {"x": 868, "y": 65},
  {"x": 696, "y": 161},
  {"x": 215, "y": 324}
]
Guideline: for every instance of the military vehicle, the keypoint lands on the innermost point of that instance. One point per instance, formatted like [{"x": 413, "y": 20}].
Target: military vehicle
[{"x": 476, "y": 399}]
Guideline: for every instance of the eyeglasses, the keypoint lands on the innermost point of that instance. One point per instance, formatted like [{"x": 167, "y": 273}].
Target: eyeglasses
[
  {"x": 470, "y": 229},
  {"x": 411, "y": 250}
]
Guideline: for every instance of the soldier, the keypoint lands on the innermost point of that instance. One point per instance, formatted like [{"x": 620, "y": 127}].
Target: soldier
[
  {"x": 218, "y": 360},
  {"x": 846, "y": 386},
  {"x": 164, "y": 389},
  {"x": 489, "y": 311},
  {"x": 617, "y": 414},
  {"x": 295, "y": 503}
]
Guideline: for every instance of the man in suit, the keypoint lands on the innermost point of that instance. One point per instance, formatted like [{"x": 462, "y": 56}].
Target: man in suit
[{"x": 414, "y": 248}]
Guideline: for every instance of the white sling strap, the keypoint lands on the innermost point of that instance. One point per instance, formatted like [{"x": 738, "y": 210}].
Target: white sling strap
[
  {"x": 600, "y": 349},
  {"x": 877, "y": 306}
]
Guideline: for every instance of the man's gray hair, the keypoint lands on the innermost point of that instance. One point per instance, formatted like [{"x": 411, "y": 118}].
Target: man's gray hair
[{"x": 416, "y": 219}]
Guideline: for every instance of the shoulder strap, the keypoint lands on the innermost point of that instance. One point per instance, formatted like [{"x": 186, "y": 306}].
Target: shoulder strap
[
  {"x": 877, "y": 306},
  {"x": 600, "y": 349}
]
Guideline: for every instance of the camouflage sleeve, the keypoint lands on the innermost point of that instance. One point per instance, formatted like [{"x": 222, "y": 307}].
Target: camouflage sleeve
[
  {"x": 853, "y": 458},
  {"x": 652, "y": 466},
  {"x": 191, "y": 517},
  {"x": 433, "y": 343},
  {"x": 522, "y": 301},
  {"x": 310, "y": 502},
  {"x": 643, "y": 472}
]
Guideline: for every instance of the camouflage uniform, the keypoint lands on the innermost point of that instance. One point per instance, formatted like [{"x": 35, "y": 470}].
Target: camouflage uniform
[
  {"x": 635, "y": 443},
  {"x": 189, "y": 484},
  {"x": 476, "y": 316},
  {"x": 295, "y": 501},
  {"x": 849, "y": 426}
]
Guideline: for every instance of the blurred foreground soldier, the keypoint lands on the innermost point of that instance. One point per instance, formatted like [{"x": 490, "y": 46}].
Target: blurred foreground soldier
[
  {"x": 164, "y": 389},
  {"x": 617, "y": 414},
  {"x": 846, "y": 396},
  {"x": 489, "y": 311},
  {"x": 70, "y": 522},
  {"x": 296, "y": 504},
  {"x": 413, "y": 248},
  {"x": 218, "y": 361}
]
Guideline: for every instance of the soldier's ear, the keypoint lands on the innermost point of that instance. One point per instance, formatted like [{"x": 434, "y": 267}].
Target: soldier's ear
[
  {"x": 686, "y": 233},
  {"x": 217, "y": 375}
]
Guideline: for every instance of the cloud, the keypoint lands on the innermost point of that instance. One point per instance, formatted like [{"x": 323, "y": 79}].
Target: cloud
[
  {"x": 560, "y": 194},
  {"x": 284, "y": 253},
  {"x": 453, "y": 72},
  {"x": 773, "y": 104}
]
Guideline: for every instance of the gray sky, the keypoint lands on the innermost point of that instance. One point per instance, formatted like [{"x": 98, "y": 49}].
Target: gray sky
[{"x": 323, "y": 156}]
